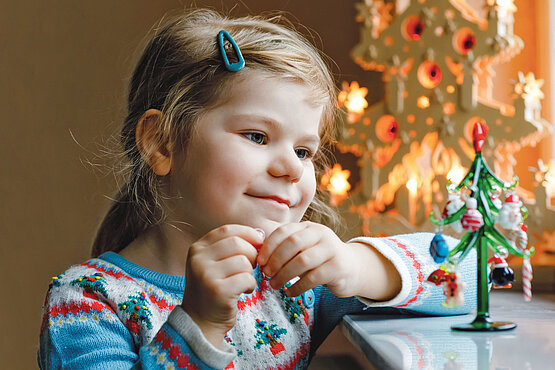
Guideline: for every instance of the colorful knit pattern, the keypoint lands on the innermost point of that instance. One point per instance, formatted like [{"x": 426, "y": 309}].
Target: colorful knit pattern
[
  {"x": 169, "y": 351},
  {"x": 110, "y": 313}
]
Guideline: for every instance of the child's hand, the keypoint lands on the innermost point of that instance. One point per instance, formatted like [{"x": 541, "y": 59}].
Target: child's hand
[
  {"x": 314, "y": 253},
  {"x": 219, "y": 268}
]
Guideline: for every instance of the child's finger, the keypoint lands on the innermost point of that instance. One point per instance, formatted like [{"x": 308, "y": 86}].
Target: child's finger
[
  {"x": 274, "y": 239},
  {"x": 231, "y": 266},
  {"x": 243, "y": 282},
  {"x": 308, "y": 281},
  {"x": 232, "y": 246},
  {"x": 299, "y": 265},
  {"x": 290, "y": 247},
  {"x": 250, "y": 234}
]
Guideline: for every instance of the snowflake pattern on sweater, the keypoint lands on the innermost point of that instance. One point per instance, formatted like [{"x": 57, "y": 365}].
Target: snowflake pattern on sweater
[{"x": 110, "y": 313}]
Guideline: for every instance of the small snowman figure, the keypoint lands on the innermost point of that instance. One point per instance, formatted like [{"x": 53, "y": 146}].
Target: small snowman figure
[
  {"x": 454, "y": 203},
  {"x": 472, "y": 219},
  {"x": 510, "y": 216},
  {"x": 496, "y": 201},
  {"x": 494, "y": 197}
]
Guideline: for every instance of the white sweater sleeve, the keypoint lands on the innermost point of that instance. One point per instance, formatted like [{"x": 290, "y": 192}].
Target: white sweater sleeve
[{"x": 410, "y": 255}]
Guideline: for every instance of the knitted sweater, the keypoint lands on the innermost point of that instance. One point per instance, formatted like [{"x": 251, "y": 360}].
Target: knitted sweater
[{"x": 109, "y": 313}]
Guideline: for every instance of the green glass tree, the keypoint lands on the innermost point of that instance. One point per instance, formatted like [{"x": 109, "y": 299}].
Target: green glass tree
[{"x": 478, "y": 217}]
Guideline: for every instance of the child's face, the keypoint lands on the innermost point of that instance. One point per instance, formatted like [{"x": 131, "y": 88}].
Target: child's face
[{"x": 250, "y": 159}]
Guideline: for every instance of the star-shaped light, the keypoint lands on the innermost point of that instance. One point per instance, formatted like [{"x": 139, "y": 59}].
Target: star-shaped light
[
  {"x": 375, "y": 15},
  {"x": 528, "y": 87},
  {"x": 352, "y": 97},
  {"x": 335, "y": 181},
  {"x": 545, "y": 176}
]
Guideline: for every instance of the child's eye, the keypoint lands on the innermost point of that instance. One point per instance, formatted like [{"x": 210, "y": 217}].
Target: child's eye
[
  {"x": 256, "y": 137},
  {"x": 303, "y": 153}
]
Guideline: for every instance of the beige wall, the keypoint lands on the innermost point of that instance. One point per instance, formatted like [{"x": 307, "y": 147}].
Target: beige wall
[{"x": 63, "y": 66}]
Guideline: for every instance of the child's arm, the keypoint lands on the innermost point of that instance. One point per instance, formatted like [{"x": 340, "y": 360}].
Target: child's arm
[
  {"x": 95, "y": 338},
  {"x": 410, "y": 255},
  {"x": 372, "y": 266},
  {"x": 385, "y": 271}
]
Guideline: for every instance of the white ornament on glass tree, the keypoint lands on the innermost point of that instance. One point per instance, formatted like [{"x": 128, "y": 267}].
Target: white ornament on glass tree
[
  {"x": 472, "y": 219},
  {"x": 510, "y": 216},
  {"x": 454, "y": 203}
]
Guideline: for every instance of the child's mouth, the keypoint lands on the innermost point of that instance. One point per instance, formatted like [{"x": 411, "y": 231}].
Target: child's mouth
[{"x": 273, "y": 198}]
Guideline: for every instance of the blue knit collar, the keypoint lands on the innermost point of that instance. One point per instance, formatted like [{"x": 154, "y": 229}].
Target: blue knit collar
[{"x": 164, "y": 281}]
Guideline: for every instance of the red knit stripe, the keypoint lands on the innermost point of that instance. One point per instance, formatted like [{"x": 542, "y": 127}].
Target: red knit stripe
[
  {"x": 253, "y": 299},
  {"x": 161, "y": 302},
  {"x": 417, "y": 266},
  {"x": 174, "y": 350},
  {"x": 301, "y": 352},
  {"x": 75, "y": 308},
  {"x": 117, "y": 275}
]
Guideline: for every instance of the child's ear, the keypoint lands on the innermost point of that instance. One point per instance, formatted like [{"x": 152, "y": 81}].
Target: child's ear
[{"x": 152, "y": 144}]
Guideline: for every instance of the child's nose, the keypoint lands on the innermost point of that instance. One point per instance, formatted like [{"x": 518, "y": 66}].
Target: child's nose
[{"x": 286, "y": 164}]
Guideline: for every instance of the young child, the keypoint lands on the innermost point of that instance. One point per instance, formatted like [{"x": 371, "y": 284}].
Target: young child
[{"x": 214, "y": 254}]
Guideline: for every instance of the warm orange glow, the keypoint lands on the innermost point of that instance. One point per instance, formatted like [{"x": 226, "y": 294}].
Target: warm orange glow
[
  {"x": 548, "y": 180},
  {"x": 387, "y": 128},
  {"x": 450, "y": 89},
  {"x": 449, "y": 108},
  {"x": 429, "y": 74},
  {"x": 423, "y": 102},
  {"x": 506, "y": 6},
  {"x": 529, "y": 87},
  {"x": 384, "y": 154},
  {"x": 352, "y": 97},
  {"x": 412, "y": 185},
  {"x": 442, "y": 159},
  {"x": 456, "y": 173},
  {"x": 335, "y": 181},
  {"x": 456, "y": 69}
]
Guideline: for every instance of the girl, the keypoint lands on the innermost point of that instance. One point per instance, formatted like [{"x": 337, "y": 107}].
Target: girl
[{"x": 213, "y": 255}]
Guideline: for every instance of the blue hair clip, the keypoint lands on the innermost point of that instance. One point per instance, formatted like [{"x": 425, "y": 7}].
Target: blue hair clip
[{"x": 232, "y": 67}]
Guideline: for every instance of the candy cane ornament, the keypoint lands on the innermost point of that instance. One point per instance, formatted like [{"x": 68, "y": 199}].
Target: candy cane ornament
[{"x": 527, "y": 277}]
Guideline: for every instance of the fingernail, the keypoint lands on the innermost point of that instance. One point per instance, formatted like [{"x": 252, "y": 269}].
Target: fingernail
[
  {"x": 260, "y": 259},
  {"x": 261, "y": 232},
  {"x": 267, "y": 271}
]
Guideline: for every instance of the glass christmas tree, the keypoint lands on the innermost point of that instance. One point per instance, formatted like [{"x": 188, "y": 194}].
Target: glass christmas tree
[
  {"x": 437, "y": 59},
  {"x": 474, "y": 206}
]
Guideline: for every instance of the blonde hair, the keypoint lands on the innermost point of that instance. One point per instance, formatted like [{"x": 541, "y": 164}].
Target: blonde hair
[{"x": 181, "y": 73}]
